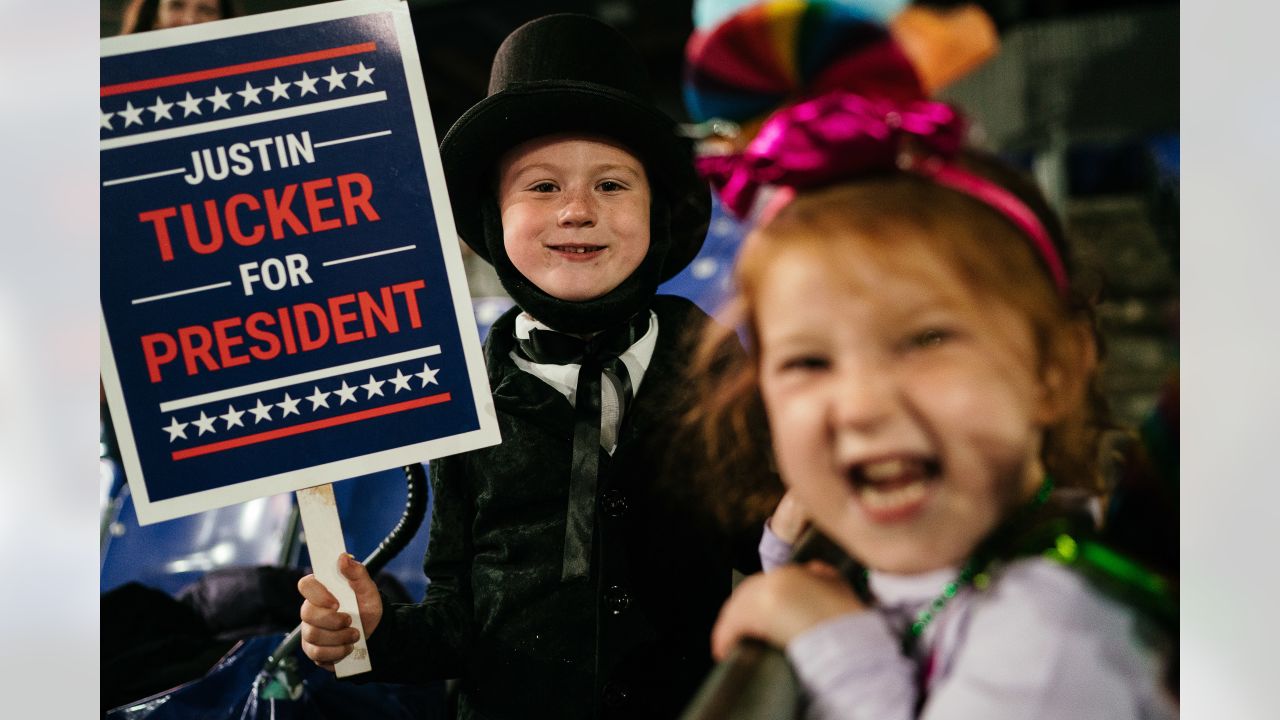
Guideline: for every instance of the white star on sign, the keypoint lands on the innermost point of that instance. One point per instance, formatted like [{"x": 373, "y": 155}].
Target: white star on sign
[
  {"x": 308, "y": 84},
  {"x": 428, "y": 375},
  {"x": 205, "y": 423},
  {"x": 232, "y": 417},
  {"x": 334, "y": 78},
  {"x": 250, "y": 94},
  {"x": 219, "y": 99},
  {"x": 161, "y": 109},
  {"x": 261, "y": 412},
  {"x": 362, "y": 75},
  {"x": 319, "y": 399},
  {"x": 289, "y": 406},
  {"x": 191, "y": 106},
  {"x": 373, "y": 387},
  {"x": 104, "y": 119},
  {"x": 401, "y": 381},
  {"x": 279, "y": 90},
  {"x": 131, "y": 114},
  {"x": 176, "y": 429},
  {"x": 346, "y": 392}
]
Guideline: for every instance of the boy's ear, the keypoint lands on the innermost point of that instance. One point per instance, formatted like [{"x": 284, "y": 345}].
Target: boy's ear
[{"x": 1072, "y": 359}]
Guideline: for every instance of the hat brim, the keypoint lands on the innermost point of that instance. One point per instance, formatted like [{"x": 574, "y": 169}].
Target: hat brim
[{"x": 472, "y": 148}]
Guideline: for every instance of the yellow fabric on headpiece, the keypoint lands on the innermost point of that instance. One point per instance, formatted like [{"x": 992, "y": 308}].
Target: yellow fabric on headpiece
[{"x": 783, "y": 25}]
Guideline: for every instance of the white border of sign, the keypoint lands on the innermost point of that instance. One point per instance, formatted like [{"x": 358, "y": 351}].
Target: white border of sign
[{"x": 151, "y": 512}]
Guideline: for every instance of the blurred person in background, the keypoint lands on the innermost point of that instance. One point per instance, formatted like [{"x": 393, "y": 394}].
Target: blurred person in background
[
  {"x": 141, "y": 16},
  {"x": 144, "y": 15}
]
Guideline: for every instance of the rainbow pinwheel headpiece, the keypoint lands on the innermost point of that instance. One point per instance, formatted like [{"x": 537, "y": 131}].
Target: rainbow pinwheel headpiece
[
  {"x": 776, "y": 53},
  {"x": 824, "y": 93}
]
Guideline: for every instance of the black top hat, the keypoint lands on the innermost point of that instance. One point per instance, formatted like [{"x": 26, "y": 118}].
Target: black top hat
[{"x": 571, "y": 73}]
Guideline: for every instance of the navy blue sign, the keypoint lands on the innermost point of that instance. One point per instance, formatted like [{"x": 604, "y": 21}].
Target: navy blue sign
[{"x": 283, "y": 300}]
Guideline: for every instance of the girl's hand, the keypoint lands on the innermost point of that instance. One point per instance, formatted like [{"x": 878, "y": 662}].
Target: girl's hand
[
  {"x": 779, "y": 605},
  {"x": 327, "y": 635},
  {"x": 789, "y": 519}
]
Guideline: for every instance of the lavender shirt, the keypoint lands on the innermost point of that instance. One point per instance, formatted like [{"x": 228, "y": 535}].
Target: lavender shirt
[{"x": 1038, "y": 643}]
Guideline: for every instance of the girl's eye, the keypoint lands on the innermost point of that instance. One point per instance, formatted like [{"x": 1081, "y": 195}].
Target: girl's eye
[
  {"x": 611, "y": 186},
  {"x": 805, "y": 363},
  {"x": 929, "y": 338},
  {"x": 544, "y": 187}
]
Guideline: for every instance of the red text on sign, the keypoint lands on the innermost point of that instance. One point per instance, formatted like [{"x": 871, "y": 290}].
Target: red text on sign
[
  {"x": 296, "y": 209},
  {"x": 303, "y": 327}
]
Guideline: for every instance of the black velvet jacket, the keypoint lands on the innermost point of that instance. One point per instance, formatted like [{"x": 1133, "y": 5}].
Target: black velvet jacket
[{"x": 633, "y": 640}]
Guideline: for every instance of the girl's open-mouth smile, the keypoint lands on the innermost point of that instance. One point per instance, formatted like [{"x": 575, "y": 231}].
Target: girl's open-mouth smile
[{"x": 893, "y": 489}]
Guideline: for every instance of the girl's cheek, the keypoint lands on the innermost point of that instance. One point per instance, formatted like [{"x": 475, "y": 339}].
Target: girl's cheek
[
  {"x": 952, "y": 390},
  {"x": 798, "y": 433},
  {"x": 795, "y": 409}
]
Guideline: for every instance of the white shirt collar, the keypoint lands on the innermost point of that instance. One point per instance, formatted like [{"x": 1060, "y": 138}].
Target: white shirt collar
[
  {"x": 564, "y": 378},
  {"x": 891, "y": 589}
]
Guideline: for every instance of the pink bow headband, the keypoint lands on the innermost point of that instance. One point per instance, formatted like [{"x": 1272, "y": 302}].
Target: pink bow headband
[{"x": 844, "y": 135}]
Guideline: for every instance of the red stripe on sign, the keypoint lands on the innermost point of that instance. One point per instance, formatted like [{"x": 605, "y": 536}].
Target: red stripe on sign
[
  {"x": 308, "y": 427},
  {"x": 229, "y": 70}
]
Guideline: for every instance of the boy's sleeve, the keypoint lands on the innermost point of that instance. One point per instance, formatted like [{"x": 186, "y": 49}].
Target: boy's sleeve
[{"x": 430, "y": 640}]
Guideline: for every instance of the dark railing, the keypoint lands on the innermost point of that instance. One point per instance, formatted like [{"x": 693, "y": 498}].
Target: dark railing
[{"x": 755, "y": 682}]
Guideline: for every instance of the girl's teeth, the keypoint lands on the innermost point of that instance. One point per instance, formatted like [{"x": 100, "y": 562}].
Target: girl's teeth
[
  {"x": 880, "y": 498},
  {"x": 884, "y": 470}
]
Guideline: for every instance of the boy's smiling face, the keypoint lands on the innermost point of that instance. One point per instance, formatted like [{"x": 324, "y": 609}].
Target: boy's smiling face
[{"x": 575, "y": 214}]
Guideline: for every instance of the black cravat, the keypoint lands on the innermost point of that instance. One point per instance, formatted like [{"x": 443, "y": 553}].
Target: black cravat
[{"x": 597, "y": 355}]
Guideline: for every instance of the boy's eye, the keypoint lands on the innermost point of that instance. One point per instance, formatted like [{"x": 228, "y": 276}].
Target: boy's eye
[
  {"x": 611, "y": 186},
  {"x": 544, "y": 187}
]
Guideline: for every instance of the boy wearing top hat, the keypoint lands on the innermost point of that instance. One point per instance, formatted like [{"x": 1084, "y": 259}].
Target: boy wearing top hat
[{"x": 570, "y": 576}]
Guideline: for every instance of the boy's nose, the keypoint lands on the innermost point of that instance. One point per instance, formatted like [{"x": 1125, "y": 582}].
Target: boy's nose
[{"x": 577, "y": 210}]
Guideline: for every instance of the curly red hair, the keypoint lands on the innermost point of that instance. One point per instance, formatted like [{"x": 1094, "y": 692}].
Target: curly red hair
[{"x": 903, "y": 215}]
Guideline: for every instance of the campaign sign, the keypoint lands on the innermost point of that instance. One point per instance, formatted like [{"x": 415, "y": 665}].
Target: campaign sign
[{"x": 283, "y": 299}]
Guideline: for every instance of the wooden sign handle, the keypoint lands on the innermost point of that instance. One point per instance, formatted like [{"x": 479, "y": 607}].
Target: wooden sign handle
[{"x": 325, "y": 544}]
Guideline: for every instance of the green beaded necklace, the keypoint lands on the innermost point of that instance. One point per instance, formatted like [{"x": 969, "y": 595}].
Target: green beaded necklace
[{"x": 973, "y": 572}]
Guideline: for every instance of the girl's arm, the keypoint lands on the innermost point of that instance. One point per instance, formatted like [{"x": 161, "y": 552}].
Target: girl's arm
[
  {"x": 774, "y": 551},
  {"x": 851, "y": 669},
  {"x": 781, "y": 531},
  {"x": 845, "y": 657}
]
